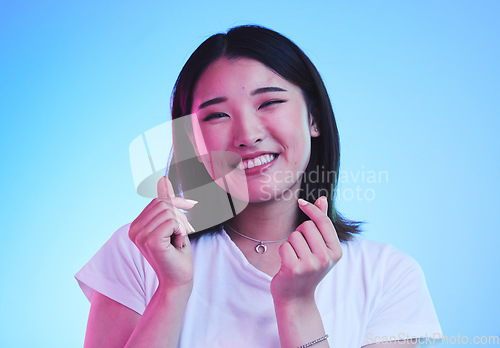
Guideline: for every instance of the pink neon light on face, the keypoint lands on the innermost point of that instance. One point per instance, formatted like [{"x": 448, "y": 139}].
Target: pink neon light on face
[{"x": 244, "y": 107}]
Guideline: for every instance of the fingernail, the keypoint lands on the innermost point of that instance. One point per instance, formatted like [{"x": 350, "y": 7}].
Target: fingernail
[
  {"x": 302, "y": 202},
  {"x": 192, "y": 201}
]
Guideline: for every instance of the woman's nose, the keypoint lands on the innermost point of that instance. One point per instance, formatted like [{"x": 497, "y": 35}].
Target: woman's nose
[{"x": 248, "y": 131}]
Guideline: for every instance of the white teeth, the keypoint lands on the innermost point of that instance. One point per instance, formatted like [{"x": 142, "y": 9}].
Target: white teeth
[{"x": 254, "y": 162}]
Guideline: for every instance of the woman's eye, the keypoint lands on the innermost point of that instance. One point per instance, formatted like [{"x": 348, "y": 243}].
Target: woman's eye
[
  {"x": 271, "y": 102},
  {"x": 215, "y": 115}
]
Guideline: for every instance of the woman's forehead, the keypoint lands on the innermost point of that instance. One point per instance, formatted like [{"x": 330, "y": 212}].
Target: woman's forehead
[{"x": 242, "y": 75}]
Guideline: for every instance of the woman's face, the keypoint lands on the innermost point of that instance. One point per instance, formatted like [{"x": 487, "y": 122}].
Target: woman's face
[{"x": 242, "y": 107}]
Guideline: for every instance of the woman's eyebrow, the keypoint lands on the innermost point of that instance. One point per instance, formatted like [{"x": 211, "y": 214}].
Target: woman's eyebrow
[
  {"x": 212, "y": 102},
  {"x": 267, "y": 89}
]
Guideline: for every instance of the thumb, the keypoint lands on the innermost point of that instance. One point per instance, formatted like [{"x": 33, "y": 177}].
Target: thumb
[
  {"x": 165, "y": 188},
  {"x": 322, "y": 204}
]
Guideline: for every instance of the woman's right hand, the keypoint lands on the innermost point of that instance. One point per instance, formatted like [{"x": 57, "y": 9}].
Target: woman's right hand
[{"x": 161, "y": 234}]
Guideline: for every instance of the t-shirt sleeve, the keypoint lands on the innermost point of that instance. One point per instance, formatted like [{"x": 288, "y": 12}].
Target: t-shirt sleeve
[
  {"x": 119, "y": 271},
  {"x": 403, "y": 308}
]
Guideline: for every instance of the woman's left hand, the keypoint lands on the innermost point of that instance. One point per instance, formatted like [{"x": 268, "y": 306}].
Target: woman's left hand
[{"x": 307, "y": 256}]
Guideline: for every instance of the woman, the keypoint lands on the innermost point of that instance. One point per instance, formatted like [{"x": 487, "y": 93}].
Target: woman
[{"x": 283, "y": 272}]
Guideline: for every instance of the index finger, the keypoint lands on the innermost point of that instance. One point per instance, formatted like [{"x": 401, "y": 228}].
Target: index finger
[{"x": 165, "y": 188}]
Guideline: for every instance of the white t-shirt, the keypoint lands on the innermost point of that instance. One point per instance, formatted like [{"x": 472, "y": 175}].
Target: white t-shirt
[{"x": 374, "y": 293}]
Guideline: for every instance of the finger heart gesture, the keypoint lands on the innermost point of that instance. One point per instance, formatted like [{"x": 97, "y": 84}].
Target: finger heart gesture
[
  {"x": 160, "y": 233},
  {"x": 308, "y": 255}
]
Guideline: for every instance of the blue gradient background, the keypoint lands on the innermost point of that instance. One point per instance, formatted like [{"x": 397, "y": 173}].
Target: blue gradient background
[{"x": 415, "y": 90}]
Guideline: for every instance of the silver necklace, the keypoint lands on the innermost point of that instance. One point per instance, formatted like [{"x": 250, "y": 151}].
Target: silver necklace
[{"x": 261, "y": 248}]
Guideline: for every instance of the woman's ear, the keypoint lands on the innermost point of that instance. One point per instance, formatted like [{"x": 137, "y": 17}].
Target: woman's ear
[{"x": 313, "y": 127}]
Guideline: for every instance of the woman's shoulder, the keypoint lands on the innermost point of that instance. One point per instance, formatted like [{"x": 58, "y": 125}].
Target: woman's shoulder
[
  {"x": 370, "y": 248},
  {"x": 377, "y": 256},
  {"x": 393, "y": 285}
]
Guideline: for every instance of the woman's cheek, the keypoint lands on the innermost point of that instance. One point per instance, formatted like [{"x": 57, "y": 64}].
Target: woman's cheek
[{"x": 212, "y": 141}]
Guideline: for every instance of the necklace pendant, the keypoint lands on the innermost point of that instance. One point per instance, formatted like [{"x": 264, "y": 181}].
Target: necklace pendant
[{"x": 261, "y": 248}]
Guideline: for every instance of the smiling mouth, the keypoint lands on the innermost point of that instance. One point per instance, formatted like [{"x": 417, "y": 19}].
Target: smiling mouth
[{"x": 257, "y": 161}]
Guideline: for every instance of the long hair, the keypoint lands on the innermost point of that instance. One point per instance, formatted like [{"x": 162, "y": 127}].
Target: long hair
[{"x": 287, "y": 60}]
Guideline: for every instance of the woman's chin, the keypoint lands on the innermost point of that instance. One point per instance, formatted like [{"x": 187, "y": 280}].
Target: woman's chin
[{"x": 268, "y": 193}]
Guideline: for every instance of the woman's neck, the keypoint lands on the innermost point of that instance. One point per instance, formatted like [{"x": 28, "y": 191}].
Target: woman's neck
[{"x": 271, "y": 220}]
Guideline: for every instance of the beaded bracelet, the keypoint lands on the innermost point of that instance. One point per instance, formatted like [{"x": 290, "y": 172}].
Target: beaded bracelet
[{"x": 317, "y": 340}]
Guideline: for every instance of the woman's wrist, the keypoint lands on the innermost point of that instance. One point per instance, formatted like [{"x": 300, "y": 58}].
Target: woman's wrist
[
  {"x": 182, "y": 291},
  {"x": 295, "y": 303},
  {"x": 297, "y": 312},
  {"x": 299, "y": 322}
]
